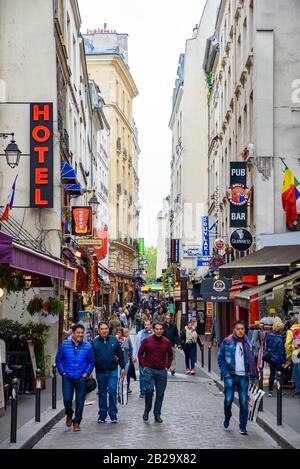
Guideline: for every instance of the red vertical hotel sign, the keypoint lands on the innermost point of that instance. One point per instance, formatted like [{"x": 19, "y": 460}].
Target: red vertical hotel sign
[{"x": 41, "y": 151}]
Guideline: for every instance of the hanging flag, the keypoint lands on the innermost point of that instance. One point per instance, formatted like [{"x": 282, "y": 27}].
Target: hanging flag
[
  {"x": 10, "y": 202},
  {"x": 290, "y": 194}
]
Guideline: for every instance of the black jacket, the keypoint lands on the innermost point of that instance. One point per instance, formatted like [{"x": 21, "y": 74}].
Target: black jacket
[
  {"x": 184, "y": 345},
  {"x": 171, "y": 333},
  {"x": 108, "y": 354}
]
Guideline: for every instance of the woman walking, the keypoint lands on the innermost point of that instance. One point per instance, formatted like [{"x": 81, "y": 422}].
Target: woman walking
[
  {"x": 139, "y": 320},
  {"x": 114, "y": 323},
  {"x": 122, "y": 335},
  {"x": 188, "y": 341},
  {"x": 275, "y": 351}
]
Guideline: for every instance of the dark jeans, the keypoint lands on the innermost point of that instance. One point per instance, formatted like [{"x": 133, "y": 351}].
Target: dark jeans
[
  {"x": 273, "y": 368},
  {"x": 296, "y": 376},
  {"x": 142, "y": 380},
  {"x": 157, "y": 378},
  {"x": 68, "y": 387},
  {"x": 108, "y": 384},
  {"x": 190, "y": 356},
  {"x": 241, "y": 384}
]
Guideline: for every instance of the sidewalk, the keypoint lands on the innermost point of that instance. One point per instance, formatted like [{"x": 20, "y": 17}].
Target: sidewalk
[
  {"x": 290, "y": 406},
  {"x": 26, "y": 408}
]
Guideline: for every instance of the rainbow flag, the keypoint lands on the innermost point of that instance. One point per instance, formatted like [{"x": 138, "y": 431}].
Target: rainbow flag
[{"x": 289, "y": 195}]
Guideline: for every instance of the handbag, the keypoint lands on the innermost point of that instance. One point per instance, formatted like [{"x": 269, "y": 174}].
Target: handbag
[
  {"x": 91, "y": 385},
  {"x": 267, "y": 356},
  {"x": 255, "y": 396},
  {"x": 122, "y": 391}
]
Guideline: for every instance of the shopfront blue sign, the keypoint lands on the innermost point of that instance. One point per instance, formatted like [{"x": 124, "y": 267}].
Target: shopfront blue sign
[
  {"x": 202, "y": 262},
  {"x": 205, "y": 237}
]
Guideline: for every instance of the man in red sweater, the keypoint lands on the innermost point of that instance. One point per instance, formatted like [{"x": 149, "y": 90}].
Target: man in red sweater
[{"x": 155, "y": 356}]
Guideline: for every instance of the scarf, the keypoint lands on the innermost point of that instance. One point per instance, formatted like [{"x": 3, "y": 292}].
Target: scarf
[
  {"x": 247, "y": 347},
  {"x": 191, "y": 336}
]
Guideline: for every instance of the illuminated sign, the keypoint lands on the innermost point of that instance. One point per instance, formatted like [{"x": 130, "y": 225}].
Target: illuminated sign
[
  {"x": 205, "y": 237},
  {"x": 175, "y": 246},
  {"x": 41, "y": 152},
  {"x": 82, "y": 221}
]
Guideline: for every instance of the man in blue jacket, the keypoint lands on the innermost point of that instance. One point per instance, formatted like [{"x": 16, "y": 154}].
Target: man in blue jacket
[
  {"x": 237, "y": 365},
  {"x": 108, "y": 356},
  {"x": 142, "y": 335},
  {"x": 75, "y": 362}
]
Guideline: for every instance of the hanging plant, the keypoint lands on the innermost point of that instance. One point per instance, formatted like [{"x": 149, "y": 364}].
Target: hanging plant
[
  {"x": 55, "y": 306},
  {"x": 34, "y": 306},
  {"x": 11, "y": 280}
]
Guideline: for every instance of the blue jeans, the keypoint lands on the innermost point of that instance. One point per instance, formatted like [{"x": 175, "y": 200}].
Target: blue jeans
[
  {"x": 296, "y": 375},
  {"x": 190, "y": 356},
  {"x": 68, "y": 387},
  {"x": 142, "y": 380},
  {"x": 108, "y": 384},
  {"x": 157, "y": 378},
  {"x": 241, "y": 383}
]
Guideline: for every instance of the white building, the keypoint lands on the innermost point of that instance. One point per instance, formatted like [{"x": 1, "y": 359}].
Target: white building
[
  {"x": 163, "y": 238},
  {"x": 252, "y": 65},
  {"x": 188, "y": 123}
]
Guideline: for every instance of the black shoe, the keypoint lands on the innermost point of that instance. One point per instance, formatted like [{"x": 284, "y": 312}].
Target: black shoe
[
  {"x": 158, "y": 419},
  {"x": 146, "y": 416},
  {"x": 173, "y": 372}
]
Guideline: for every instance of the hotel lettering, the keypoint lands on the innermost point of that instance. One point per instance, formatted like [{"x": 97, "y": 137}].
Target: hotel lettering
[{"x": 41, "y": 155}]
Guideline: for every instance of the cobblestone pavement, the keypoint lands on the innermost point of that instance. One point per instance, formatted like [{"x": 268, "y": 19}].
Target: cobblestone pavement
[{"x": 192, "y": 414}]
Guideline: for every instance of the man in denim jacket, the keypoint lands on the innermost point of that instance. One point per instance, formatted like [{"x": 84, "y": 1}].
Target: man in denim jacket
[{"x": 237, "y": 365}]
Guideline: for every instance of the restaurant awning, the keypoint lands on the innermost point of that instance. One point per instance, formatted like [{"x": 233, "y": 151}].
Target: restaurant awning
[
  {"x": 271, "y": 260},
  {"x": 74, "y": 190},
  {"x": 25, "y": 259},
  {"x": 246, "y": 297}
]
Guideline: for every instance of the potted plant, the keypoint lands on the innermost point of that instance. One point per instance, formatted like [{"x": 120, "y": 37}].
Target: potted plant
[
  {"x": 55, "y": 306},
  {"x": 34, "y": 306}
]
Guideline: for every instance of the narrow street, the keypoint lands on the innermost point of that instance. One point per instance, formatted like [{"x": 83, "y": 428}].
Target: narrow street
[{"x": 192, "y": 414}]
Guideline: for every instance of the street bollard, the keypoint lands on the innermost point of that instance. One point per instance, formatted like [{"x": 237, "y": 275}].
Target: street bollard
[
  {"x": 38, "y": 395},
  {"x": 54, "y": 386},
  {"x": 202, "y": 357},
  {"x": 279, "y": 397},
  {"x": 261, "y": 386},
  {"x": 14, "y": 411},
  {"x": 209, "y": 359}
]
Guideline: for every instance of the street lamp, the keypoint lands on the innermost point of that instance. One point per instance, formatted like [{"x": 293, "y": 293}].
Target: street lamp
[
  {"x": 94, "y": 202},
  {"x": 12, "y": 151}
]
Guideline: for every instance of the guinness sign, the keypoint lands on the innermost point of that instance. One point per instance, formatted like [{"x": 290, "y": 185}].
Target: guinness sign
[{"x": 241, "y": 240}]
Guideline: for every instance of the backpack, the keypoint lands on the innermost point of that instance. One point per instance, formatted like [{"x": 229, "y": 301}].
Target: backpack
[{"x": 296, "y": 338}]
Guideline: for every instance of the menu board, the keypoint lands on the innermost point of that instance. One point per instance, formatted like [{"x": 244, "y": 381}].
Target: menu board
[
  {"x": 32, "y": 356},
  {"x": 208, "y": 322},
  {"x": 2, "y": 360}
]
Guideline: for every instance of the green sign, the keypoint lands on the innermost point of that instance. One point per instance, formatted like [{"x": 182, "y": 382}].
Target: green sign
[
  {"x": 141, "y": 246},
  {"x": 171, "y": 308}
]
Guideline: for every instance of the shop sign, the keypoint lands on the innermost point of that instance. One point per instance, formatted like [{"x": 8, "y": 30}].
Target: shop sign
[
  {"x": 238, "y": 195},
  {"x": 219, "y": 244},
  {"x": 141, "y": 246},
  {"x": 191, "y": 251},
  {"x": 94, "y": 242},
  {"x": 175, "y": 247},
  {"x": 203, "y": 262},
  {"x": 205, "y": 251},
  {"x": 82, "y": 221},
  {"x": 41, "y": 152},
  {"x": 216, "y": 290},
  {"x": 241, "y": 240}
]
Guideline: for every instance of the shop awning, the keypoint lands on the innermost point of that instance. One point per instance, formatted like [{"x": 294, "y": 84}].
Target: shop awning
[
  {"x": 68, "y": 175},
  {"x": 25, "y": 259},
  {"x": 74, "y": 190},
  {"x": 271, "y": 260},
  {"x": 246, "y": 297}
]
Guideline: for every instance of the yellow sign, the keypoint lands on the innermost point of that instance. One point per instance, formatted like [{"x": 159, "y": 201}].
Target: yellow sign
[
  {"x": 272, "y": 310},
  {"x": 95, "y": 242}
]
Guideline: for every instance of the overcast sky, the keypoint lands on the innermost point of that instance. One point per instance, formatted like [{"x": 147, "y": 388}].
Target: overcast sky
[{"x": 157, "y": 32}]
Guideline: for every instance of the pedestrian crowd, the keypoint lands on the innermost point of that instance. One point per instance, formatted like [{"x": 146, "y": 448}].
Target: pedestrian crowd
[{"x": 113, "y": 356}]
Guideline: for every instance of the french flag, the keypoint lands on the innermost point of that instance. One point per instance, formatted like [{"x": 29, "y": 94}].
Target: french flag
[{"x": 10, "y": 202}]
